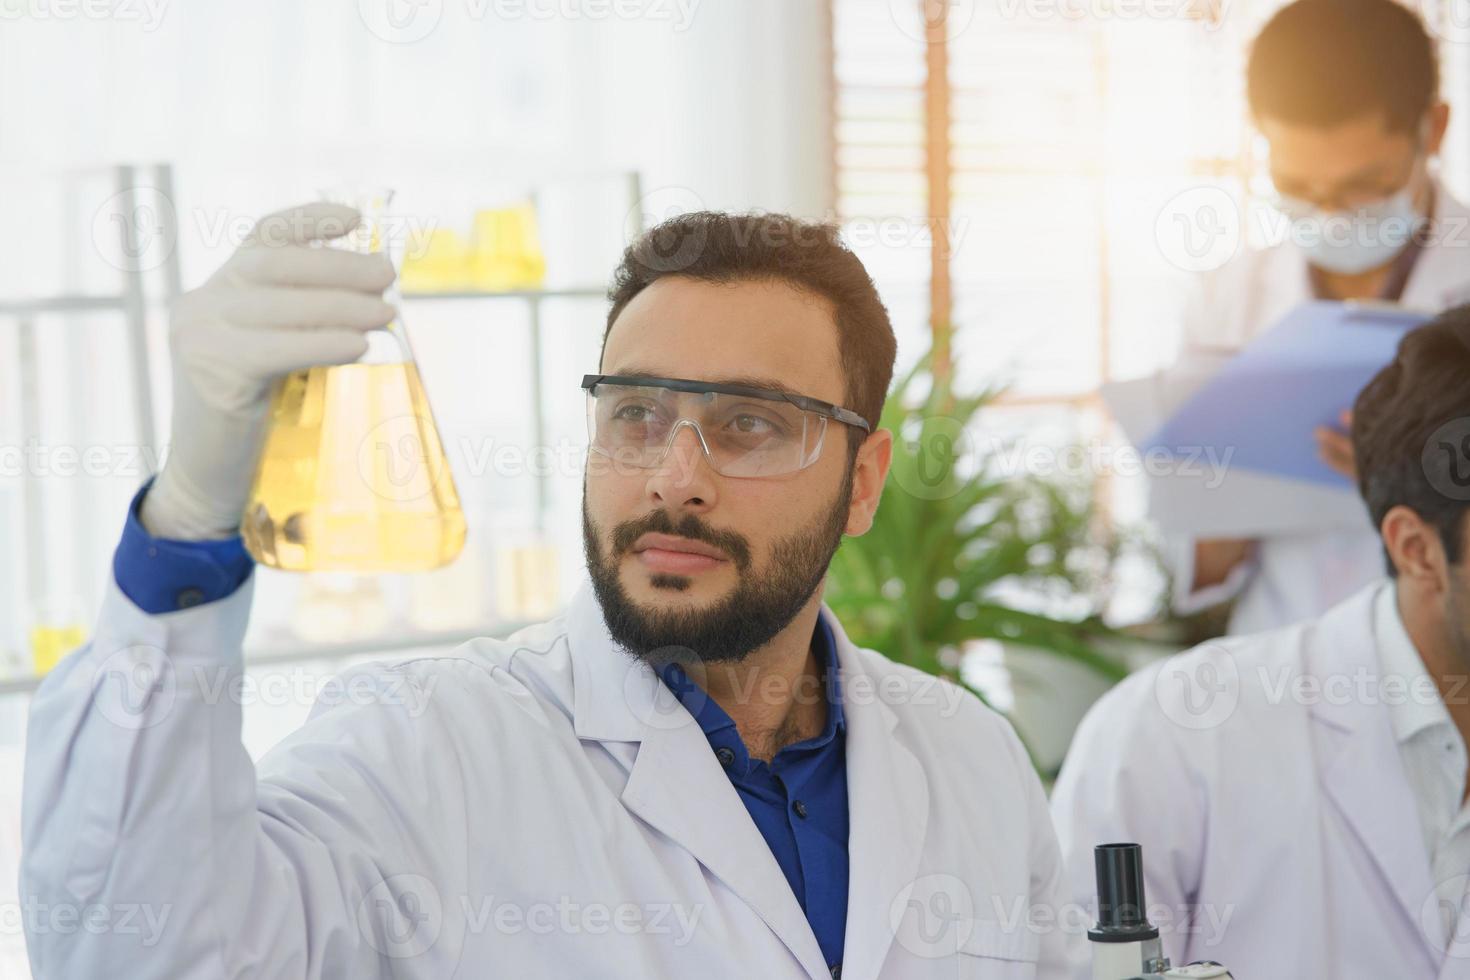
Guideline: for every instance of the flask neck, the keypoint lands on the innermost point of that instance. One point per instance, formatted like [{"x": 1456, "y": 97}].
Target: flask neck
[
  {"x": 372, "y": 237},
  {"x": 371, "y": 234}
]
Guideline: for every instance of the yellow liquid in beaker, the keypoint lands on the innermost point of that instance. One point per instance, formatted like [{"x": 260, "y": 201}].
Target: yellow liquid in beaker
[{"x": 352, "y": 475}]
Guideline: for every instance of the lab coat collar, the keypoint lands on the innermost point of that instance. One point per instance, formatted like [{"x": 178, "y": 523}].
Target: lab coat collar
[
  {"x": 678, "y": 786},
  {"x": 1440, "y": 278},
  {"x": 1412, "y": 713},
  {"x": 1361, "y": 768}
]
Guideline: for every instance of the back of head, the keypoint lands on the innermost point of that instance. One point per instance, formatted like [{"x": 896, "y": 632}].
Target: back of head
[
  {"x": 1320, "y": 63},
  {"x": 1411, "y": 429}
]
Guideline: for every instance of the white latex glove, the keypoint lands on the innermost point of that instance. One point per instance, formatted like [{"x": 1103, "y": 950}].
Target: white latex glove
[{"x": 282, "y": 302}]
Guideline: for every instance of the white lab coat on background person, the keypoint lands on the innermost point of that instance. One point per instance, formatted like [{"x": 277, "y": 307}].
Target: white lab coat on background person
[
  {"x": 536, "y": 807},
  {"x": 1293, "y": 577},
  {"x": 1280, "y": 830}
]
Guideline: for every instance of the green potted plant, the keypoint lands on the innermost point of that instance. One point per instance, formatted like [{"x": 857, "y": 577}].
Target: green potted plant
[{"x": 957, "y": 541}]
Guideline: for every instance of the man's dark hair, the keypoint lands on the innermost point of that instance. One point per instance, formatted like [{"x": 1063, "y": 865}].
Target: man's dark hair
[
  {"x": 715, "y": 246},
  {"x": 1423, "y": 395},
  {"x": 1324, "y": 62}
]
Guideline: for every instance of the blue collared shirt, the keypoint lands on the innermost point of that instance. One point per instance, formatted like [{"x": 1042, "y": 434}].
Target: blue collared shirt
[
  {"x": 162, "y": 576},
  {"x": 798, "y": 801}
]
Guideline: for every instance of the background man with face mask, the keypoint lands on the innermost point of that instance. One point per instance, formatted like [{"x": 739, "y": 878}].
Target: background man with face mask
[
  {"x": 1300, "y": 794},
  {"x": 1345, "y": 93},
  {"x": 691, "y": 773}
]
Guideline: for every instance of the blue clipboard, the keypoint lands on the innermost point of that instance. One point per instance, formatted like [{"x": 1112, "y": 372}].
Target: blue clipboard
[{"x": 1263, "y": 405}]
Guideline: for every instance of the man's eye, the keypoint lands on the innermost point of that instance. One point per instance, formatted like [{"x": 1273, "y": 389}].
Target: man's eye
[
  {"x": 633, "y": 413},
  {"x": 752, "y": 425}
]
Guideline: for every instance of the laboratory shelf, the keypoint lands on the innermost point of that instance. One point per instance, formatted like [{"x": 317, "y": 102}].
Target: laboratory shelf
[
  {"x": 61, "y": 304},
  {"x": 551, "y": 292},
  {"x": 277, "y": 655}
]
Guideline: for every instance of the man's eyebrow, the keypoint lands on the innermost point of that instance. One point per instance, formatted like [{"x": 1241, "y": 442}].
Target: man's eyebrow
[{"x": 743, "y": 380}]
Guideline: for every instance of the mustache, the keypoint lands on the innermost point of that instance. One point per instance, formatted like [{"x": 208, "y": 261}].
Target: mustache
[{"x": 690, "y": 526}]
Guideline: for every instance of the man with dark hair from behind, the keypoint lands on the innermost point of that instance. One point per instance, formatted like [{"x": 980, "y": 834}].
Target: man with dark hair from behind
[
  {"x": 1346, "y": 94},
  {"x": 1300, "y": 793}
]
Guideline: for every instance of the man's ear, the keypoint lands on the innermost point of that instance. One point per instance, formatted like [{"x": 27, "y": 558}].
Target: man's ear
[
  {"x": 870, "y": 471},
  {"x": 1438, "y": 123},
  {"x": 1415, "y": 548}
]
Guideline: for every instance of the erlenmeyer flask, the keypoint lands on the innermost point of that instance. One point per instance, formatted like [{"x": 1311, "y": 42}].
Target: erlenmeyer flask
[{"x": 352, "y": 474}]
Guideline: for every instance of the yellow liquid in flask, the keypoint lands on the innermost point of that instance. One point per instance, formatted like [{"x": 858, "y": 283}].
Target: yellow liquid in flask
[{"x": 352, "y": 475}]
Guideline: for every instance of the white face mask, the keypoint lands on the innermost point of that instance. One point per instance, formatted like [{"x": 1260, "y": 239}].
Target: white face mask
[
  {"x": 1358, "y": 239},
  {"x": 1349, "y": 242}
]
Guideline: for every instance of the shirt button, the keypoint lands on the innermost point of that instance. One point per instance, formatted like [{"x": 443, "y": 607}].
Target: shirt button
[
  {"x": 837, "y": 972},
  {"x": 189, "y": 597},
  {"x": 725, "y": 754},
  {"x": 800, "y": 809}
]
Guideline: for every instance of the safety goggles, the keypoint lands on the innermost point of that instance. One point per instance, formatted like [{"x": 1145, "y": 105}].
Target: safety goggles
[{"x": 744, "y": 431}]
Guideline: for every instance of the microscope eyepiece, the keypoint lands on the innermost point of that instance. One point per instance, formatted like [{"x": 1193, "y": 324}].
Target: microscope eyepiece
[{"x": 1121, "y": 906}]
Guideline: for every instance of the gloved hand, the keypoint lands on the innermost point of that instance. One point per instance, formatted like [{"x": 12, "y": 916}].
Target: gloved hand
[{"x": 282, "y": 302}]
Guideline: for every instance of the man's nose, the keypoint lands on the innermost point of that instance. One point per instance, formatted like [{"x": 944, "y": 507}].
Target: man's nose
[{"x": 684, "y": 477}]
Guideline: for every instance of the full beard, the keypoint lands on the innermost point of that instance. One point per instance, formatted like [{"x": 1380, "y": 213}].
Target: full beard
[{"x": 761, "y": 606}]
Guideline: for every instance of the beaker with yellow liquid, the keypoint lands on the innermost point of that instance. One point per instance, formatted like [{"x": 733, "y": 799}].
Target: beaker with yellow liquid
[{"x": 352, "y": 474}]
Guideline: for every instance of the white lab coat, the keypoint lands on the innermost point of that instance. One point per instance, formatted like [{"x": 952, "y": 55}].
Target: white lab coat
[
  {"x": 538, "y": 807},
  {"x": 1296, "y": 577},
  {"x": 1284, "y": 823}
]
